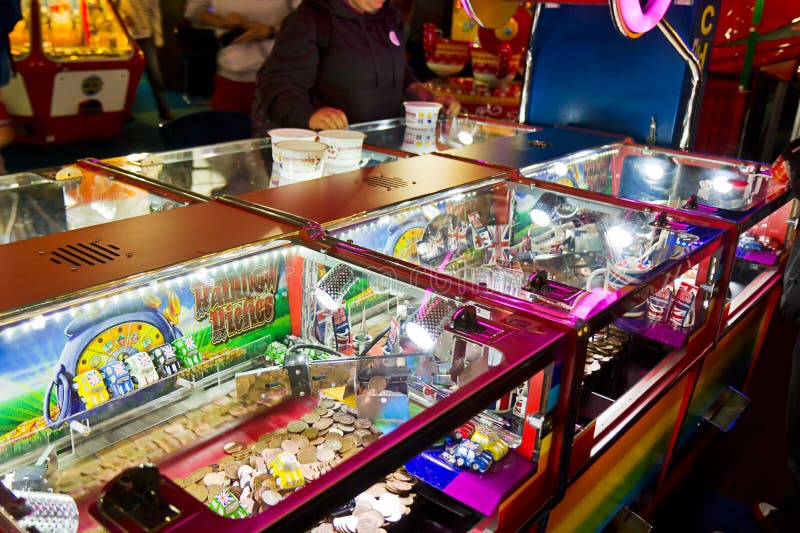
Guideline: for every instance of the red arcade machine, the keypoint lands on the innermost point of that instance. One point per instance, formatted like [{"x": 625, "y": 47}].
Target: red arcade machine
[{"x": 77, "y": 71}]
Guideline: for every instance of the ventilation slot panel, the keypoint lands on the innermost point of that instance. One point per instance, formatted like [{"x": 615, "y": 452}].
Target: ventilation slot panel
[
  {"x": 386, "y": 182},
  {"x": 80, "y": 254}
]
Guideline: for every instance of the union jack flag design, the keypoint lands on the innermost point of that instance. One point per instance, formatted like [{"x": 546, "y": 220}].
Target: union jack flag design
[
  {"x": 457, "y": 237},
  {"x": 190, "y": 345},
  {"x": 93, "y": 377},
  {"x": 500, "y": 249},
  {"x": 168, "y": 351},
  {"x": 225, "y": 498}
]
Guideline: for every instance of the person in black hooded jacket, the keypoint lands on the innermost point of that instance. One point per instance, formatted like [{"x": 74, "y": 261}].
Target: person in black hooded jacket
[
  {"x": 337, "y": 62},
  {"x": 786, "y": 518}
]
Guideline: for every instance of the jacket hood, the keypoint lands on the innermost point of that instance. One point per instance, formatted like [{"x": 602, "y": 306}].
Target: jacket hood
[{"x": 341, "y": 8}]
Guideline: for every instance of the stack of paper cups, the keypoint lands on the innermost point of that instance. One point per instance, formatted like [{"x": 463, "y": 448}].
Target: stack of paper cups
[
  {"x": 278, "y": 135},
  {"x": 344, "y": 150},
  {"x": 420, "y": 133}
]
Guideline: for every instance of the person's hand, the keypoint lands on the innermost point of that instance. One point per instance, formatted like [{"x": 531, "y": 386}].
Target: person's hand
[
  {"x": 328, "y": 118},
  {"x": 255, "y": 32},
  {"x": 233, "y": 19},
  {"x": 451, "y": 105}
]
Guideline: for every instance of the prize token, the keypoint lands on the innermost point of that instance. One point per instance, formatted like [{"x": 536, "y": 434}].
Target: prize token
[
  {"x": 275, "y": 442},
  {"x": 266, "y": 437},
  {"x": 317, "y": 441},
  {"x": 326, "y": 404},
  {"x": 361, "y": 432},
  {"x": 366, "y": 440},
  {"x": 319, "y": 411},
  {"x": 336, "y": 430},
  {"x": 345, "y": 428},
  {"x": 232, "y": 447}
]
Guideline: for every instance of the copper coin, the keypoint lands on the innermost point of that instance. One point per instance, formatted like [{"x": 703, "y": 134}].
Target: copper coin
[
  {"x": 198, "y": 492},
  {"x": 325, "y": 454},
  {"x": 377, "y": 383},
  {"x": 323, "y": 423},
  {"x": 233, "y": 447},
  {"x": 307, "y": 455},
  {"x": 296, "y": 426},
  {"x": 362, "y": 423},
  {"x": 310, "y": 418},
  {"x": 290, "y": 446}
]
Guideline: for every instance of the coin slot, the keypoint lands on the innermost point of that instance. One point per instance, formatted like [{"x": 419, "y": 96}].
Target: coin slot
[{"x": 272, "y": 384}]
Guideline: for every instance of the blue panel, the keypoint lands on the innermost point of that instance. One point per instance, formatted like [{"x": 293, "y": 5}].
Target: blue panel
[{"x": 586, "y": 74}]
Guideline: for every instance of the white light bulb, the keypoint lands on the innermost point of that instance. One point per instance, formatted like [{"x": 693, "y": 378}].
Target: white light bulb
[
  {"x": 419, "y": 336},
  {"x": 559, "y": 169},
  {"x": 653, "y": 171},
  {"x": 325, "y": 300},
  {"x": 721, "y": 184},
  {"x": 465, "y": 138},
  {"x": 540, "y": 218},
  {"x": 619, "y": 236},
  {"x": 430, "y": 211}
]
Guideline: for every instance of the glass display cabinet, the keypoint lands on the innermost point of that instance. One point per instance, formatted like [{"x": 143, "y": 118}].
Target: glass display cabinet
[
  {"x": 742, "y": 193},
  {"x": 220, "y": 169},
  {"x": 39, "y": 203},
  {"x": 260, "y": 376},
  {"x": 394, "y": 136},
  {"x": 635, "y": 282}
]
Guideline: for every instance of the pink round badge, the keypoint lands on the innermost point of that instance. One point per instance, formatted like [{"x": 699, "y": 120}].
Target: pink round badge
[{"x": 393, "y": 38}]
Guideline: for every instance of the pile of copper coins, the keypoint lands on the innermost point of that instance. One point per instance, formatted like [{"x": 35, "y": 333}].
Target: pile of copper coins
[
  {"x": 380, "y": 505},
  {"x": 93, "y": 472},
  {"x": 602, "y": 351},
  {"x": 317, "y": 442}
]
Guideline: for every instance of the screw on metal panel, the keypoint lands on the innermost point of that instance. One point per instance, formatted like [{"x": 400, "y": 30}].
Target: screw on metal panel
[
  {"x": 96, "y": 241},
  {"x": 539, "y": 144},
  {"x": 74, "y": 268},
  {"x": 128, "y": 254},
  {"x": 41, "y": 252}
]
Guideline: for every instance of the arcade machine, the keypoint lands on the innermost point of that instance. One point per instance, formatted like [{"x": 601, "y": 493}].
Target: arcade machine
[
  {"x": 77, "y": 72},
  {"x": 261, "y": 375},
  {"x": 47, "y": 201}
]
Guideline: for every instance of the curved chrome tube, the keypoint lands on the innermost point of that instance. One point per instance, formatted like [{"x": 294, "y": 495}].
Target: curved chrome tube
[{"x": 696, "y": 74}]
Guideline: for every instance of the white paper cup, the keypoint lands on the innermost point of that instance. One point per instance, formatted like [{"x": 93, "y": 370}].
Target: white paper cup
[
  {"x": 419, "y": 141},
  {"x": 422, "y": 115},
  {"x": 344, "y": 146},
  {"x": 291, "y": 134},
  {"x": 298, "y": 160}
]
